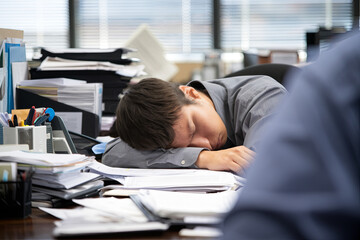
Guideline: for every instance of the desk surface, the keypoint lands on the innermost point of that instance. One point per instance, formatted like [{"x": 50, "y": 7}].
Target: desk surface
[{"x": 40, "y": 225}]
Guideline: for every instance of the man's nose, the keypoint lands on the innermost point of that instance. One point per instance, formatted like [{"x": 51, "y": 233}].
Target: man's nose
[{"x": 201, "y": 142}]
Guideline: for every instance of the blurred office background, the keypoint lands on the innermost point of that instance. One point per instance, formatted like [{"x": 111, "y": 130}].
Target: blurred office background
[{"x": 217, "y": 36}]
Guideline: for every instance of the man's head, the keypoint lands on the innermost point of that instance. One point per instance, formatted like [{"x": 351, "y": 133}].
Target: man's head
[{"x": 157, "y": 114}]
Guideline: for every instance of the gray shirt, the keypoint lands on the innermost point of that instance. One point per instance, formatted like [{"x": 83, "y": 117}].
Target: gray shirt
[{"x": 244, "y": 104}]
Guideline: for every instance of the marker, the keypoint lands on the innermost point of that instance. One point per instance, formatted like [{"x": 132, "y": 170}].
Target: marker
[
  {"x": 10, "y": 123},
  {"x": 29, "y": 119},
  {"x": 15, "y": 120}
]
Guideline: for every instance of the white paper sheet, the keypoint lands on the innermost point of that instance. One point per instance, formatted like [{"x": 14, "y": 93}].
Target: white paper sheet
[
  {"x": 42, "y": 159},
  {"x": 123, "y": 208},
  {"x": 179, "y": 205}
]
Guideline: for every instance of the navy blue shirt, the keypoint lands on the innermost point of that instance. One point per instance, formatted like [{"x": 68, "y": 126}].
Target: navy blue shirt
[{"x": 305, "y": 180}]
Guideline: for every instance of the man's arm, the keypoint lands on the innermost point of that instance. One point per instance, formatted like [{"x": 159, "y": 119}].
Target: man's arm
[{"x": 120, "y": 154}]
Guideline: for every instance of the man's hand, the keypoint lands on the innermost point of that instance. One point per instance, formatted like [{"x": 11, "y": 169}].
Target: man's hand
[{"x": 234, "y": 159}]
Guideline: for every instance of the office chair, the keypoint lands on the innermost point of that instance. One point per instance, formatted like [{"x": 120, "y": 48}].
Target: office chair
[{"x": 277, "y": 71}]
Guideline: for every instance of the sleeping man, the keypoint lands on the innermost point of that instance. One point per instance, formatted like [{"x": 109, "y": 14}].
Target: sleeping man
[{"x": 214, "y": 125}]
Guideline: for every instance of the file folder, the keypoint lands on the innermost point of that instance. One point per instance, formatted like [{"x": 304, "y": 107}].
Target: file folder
[
  {"x": 91, "y": 76},
  {"x": 113, "y": 56},
  {"x": 90, "y": 121}
]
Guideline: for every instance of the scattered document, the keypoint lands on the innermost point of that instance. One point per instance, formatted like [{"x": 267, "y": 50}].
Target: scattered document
[
  {"x": 169, "y": 204},
  {"x": 79, "y": 191},
  {"x": 66, "y": 183},
  {"x": 102, "y": 169},
  {"x": 122, "y": 208},
  {"x": 151, "y": 53},
  {"x": 51, "y": 82},
  {"x": 201, "y": 232},
  {"x": 94, "y": 220},
  {"x": 74, "y": 227},
  {"x": 112, "y": 208},
  {"x": 79, "y": 212},
  {"x": 168, "y": 179},
  {"x": 198, "y": 181},
  {"x": 42, "y": 159}
]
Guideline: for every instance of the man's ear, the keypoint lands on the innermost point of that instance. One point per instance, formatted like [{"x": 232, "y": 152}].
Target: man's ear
[{"x": 190, "y": 92}]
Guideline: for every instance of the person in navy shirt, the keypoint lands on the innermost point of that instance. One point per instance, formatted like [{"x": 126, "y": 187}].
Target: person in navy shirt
[{"x": 305, "y": 180}]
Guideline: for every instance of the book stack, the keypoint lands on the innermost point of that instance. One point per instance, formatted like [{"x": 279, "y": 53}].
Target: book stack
[{"x": 57, "y": 178}]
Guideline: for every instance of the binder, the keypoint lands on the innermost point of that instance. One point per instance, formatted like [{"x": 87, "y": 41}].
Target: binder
[
  {"x": 115, "y": 56},
  {"x": 91, "y": 76},
  {"x": 90, "y": 121}
]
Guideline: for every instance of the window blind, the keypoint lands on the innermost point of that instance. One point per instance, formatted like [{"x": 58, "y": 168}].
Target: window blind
[
  {"x": 182, "y": 26},
  {"x": 279, "y": 24},
  {"x": 44, "y": 23}
]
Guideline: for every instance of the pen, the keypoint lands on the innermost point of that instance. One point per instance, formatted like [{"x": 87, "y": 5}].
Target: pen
[
  {"x": 21, "y": 123},
  {"x": 15, "y": 120},
  {"x": 10, "y": 123},
  {"x": 41, "y": 120},
  {"x": 43, "y": 112},
  {"x": 29, "y": 119}
]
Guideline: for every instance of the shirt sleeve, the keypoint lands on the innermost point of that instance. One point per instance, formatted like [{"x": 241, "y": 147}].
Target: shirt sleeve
[{"x": 120, "y": 154}]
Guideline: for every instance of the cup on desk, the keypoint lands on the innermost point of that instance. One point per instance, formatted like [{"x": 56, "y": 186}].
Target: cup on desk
[{"x": 35, "y": 136}]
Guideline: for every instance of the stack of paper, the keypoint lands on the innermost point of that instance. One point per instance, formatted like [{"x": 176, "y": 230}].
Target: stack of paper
[
  {"x": 168, "y": 179},
  {"x": 101, "y": 216},
  {"x": 58, "y": 175},
  {"x": 76, "y": 93},
  {"x": 168, "y": 204},
  {"x": 56, "y": 63},
  {"x": 179, "y": 208}
]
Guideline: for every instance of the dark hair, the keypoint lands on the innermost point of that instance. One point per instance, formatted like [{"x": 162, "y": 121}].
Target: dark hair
[{"x": 147, "y": 112}]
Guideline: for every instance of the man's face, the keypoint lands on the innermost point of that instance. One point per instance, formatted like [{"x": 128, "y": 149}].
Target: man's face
[{"x": 199, "y": 125}]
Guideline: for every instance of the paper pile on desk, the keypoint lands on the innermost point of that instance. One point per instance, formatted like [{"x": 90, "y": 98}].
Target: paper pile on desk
[
  {"x": 168, "y": 179},
  {"x": 57, "y": 175},
  {"x": 168, "y": 204},
  {"x": 100, "y": 216},
  {"x": 179, "y": 208}
]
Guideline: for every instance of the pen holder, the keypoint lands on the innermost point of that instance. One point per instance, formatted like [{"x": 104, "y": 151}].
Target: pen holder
[
  {"x": 15, "y": 197},
  {"x": 35, "y": 136}
]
